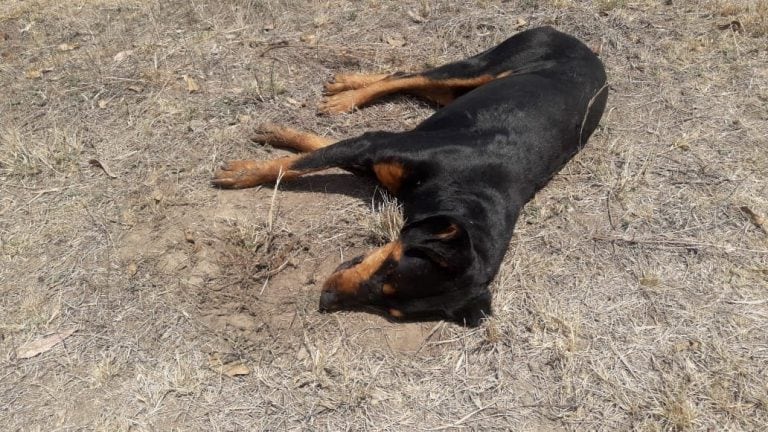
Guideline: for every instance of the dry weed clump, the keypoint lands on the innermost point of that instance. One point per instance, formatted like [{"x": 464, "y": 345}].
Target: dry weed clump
[
  {"x": 750, "y": 16},
  {"x": 386, "y": 218}
]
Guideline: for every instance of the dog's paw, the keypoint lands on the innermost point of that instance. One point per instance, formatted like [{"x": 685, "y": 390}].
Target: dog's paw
[
  {"x": 267, "y": 133},
  {"x": 238, "y": 174},
  {"x": 335, "y": 87},
  {"x": 339, "y": 103},
  {"x": 344, "y": 82}
]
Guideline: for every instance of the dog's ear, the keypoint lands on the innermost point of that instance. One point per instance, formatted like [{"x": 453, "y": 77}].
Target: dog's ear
[
  {"x": 474, "y": 310},
  {"x": 442, "y": 239}
]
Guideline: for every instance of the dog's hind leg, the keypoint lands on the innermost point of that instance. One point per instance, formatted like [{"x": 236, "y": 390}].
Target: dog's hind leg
[
  {"x": 445, "y": 83},
  {"x": 353, "y": 155},
  {"x": 440, "y": 85},
  {"x": 441, "y": 91}
]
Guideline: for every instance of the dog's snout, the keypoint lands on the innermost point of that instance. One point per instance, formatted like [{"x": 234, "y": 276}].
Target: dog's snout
[{"x": 328, "y": 301}]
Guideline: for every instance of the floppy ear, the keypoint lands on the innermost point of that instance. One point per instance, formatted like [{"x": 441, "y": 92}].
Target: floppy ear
[{"x": 442, "y": 239}]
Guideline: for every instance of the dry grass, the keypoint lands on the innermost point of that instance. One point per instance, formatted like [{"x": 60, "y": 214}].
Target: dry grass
[
  {"x": 634, "y": 294},
  {"x": 386, "y": 218}
]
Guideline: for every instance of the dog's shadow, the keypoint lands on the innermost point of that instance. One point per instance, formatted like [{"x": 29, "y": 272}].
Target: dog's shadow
[{"x": 354, "y": 186}]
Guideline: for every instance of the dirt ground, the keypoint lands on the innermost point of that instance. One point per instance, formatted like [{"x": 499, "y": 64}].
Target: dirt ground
[{"x": 634, "y": 295}]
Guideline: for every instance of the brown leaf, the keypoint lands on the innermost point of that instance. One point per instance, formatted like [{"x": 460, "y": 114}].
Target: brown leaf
[
  {"x": 520, "y": 23},
  {"x": 395, "y": 39},
  {"x": 103, "y": 103},
  {"x": 231, "y": 368},
  {"x": 235, "y": 369},
  {"x": 33, "y": 73},
  {"x": 189, "y": 235},
  {"x": 294, "y": 102},
  {"x": 103, "y": 166},
  {"x": 309, "y": 39},
  {"x": 733, "y": 25},
  {"x": 416, "y": 17},
  {"x": 122, "y": 55},
  {"x": 757, "y": 219},
  {"x": 31, "y": 349},
  {"x": 242, "y": 321},
  {"x": 596, "y": 47},
  {"x": 192, "y": 85},
  {"x": 68, "y": 47},
  {"x": 132, "y": 268},
  {"x": 320, "y": 20}
]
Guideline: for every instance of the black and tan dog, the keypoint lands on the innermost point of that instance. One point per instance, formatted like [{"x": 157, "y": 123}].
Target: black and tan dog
[{"x": 512, "y": 117}]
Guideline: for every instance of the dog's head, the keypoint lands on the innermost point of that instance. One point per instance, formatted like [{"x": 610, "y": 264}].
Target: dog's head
[{"x": 426, "y": 274}]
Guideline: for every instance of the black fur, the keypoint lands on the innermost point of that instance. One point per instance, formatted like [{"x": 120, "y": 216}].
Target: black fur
[{"x": 474, "y": 164}]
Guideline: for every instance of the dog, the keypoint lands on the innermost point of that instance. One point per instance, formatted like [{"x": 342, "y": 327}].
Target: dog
[{"x": 511, "y": 117}]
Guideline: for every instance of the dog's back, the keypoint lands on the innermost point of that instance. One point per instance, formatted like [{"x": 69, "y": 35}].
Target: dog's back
[{"x": 490, "y": 150}]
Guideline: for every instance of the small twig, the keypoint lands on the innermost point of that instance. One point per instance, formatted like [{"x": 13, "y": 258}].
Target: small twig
[
  {"x": 608, "y": 206},
  {"x": 43, "y": 192},
  {"x": 458, "y": 422},
  {"x": 429, "y": 335},
  {"x": 285, "y": 44},
  {"x": 748, "y": 302},
  {"x": 270, "y": 228},
  {"x": 683, "y": 243},
  {"x": 272, "y": 206},
  {"x": 586, "y": 114},
  {"x": 272, "y": 79}
]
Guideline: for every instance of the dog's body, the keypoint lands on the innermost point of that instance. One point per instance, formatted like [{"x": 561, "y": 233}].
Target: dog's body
[{"x": 513, "y": 116}]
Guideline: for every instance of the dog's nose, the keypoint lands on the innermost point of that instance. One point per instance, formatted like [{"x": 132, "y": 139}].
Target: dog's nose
[{"x": 328, "y": 301}]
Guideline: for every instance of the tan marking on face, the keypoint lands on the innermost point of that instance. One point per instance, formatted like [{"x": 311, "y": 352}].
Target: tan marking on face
[
  {"x": 390, "y": 175},
  {"x": 396, "y": 313},
  {"x": 348, "y": 281},
  {"x": 451, "y": 232},
  {"x": 388, "y": 289}
]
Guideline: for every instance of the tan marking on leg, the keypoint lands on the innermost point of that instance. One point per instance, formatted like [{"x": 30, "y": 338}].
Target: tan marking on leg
[
  {"x": 348, "y": 100},
  {"x": 281, "y": 136},
  {"x": 464, "y": 82},
  {"x": 445, "y": 94},
  {"x": 441, "y": 96},
  {"x": 344, "y": 82},
  {"x": 348, "y": 281},
  {"x": 241, "y": 174},
  {"x": 395, "y": 313},
  {"x": 390, "y": 175}
]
